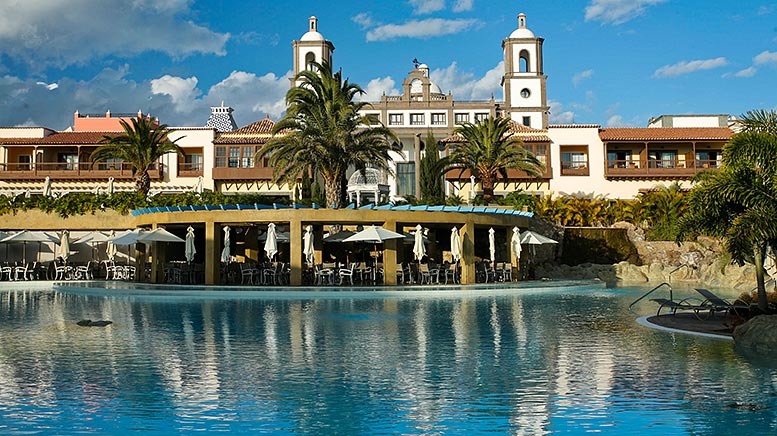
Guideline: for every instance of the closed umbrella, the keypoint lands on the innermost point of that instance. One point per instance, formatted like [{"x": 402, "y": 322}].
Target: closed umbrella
[
  {"x": 455, "y": 245},
  {"x": 492, "y": 244},
  {"x": 419, "y": 251},
  {"x": 271, "y": 244},
  {"x": 110, "y": 248},
  {"x": 225, "y": 254},
  {"x": 190, "y": 250},
  {"x": 64, "y": 246},
  {"x": 47, "y": 187},
  {"x": 198, "y": 187},
  {"x": 308, "y": 250},
  {"x": 515, "y": 243},
  {"x": 110, "y": 186}
]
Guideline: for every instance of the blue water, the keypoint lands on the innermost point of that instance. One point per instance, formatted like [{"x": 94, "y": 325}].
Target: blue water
[{"x": 534, "y": 362}]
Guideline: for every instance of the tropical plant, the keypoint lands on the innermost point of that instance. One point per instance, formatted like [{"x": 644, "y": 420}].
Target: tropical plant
[
  {"x": 141, "y": 145},
  {"x": 431, "y": 181},
  {"x": 737, "y": 202},
  {"x": 324, "y": 130},
  {"x": 662, "y": 207},
  {"x": 759, "y": 120},
  {"x": 487, "y": 150}
]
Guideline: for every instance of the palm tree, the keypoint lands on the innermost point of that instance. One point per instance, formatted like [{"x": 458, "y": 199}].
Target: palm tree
[
  {"x": 737, "y": 202},
  {"x": 324, "y": 130},
  {"x": 759, "y": 120},
  {"x": 488, "y": 149},
  {"x": 141, "y": 145}
]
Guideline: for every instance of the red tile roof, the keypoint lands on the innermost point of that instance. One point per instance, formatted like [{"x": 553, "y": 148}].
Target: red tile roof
[
  {"x": 60, "y": 138},
  {"x": 526, "y": 133},
  {"x": 666, "y": 134},
  {"x": 261, "y": 126},
  {"x": 258, "y": 132}
]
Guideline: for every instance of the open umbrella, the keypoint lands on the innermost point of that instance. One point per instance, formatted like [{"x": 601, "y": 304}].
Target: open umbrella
[
  {"x": 225, "y": 254},
  {"x": 419, "y": 251},
  {"x": 455, "y": 245},
  {"x": 26, "y": 236},
  {"x": 47, "y": 187},
  {"x": 492, "y": 244},
  {"x": 339, "y": 236},
  {"x": 158, "y": 235},
  {"x": 127, "y": 237},
  {"x": 190, "y": 250},
  {"x": 376, "y": 235},
  {"x": 280, "y": 237},
  {"x": 308, "y": 250},
  {"x": 533, "y": 239},
  {"x": 271, "y": 244},
  {"x": 64, "y": 246}
]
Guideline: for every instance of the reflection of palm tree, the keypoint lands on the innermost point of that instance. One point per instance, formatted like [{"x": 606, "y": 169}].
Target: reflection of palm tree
[
  {"x": 737, "y": 202},
  {"x": 323, "y": 130},
  {"x": 141, "y": 145},
  {"x": 487, "y": 151}
]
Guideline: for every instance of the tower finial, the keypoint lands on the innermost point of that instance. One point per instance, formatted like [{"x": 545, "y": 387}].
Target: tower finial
[{"x": 521, "y": 20}]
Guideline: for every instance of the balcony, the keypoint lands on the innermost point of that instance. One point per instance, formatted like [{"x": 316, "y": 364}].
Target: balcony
[
  {"x": 253, "y": 173},
  {"x": 572, "y": 168},
  {"x": 81, "y": 170},
  {"x": 657, "y": 168},
  {"x": 512, "y": 174},
  {"x": 190, "y": 169}
]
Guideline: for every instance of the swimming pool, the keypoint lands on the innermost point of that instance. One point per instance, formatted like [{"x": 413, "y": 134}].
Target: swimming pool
[{"x": 530, "y": 361}]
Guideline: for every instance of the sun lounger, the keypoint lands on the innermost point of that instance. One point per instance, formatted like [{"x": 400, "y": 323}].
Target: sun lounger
[
  {"x": 676, "y": 306},
  {"x": 718, "y": 304}
]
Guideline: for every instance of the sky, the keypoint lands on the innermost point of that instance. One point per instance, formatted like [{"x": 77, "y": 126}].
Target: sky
[{"x": 615, "y": 63}]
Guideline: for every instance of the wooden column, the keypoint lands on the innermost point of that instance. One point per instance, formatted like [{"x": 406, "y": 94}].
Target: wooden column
[
  {"x": 468, "y": 252},
  {"x": 212, "y": 252},
  {"x": 390, "y": 255},
  {"x": 295, "y": 252}
]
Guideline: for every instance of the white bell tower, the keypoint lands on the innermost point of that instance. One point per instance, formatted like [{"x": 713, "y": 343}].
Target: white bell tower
[
  {"x": 524, "y": 82},
  {"x": 311, "y": 47}
]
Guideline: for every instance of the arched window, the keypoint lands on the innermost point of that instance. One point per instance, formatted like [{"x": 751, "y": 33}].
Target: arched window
[
  {"x": 309, "y": 59},
  {"x": 524, "y": 62}
]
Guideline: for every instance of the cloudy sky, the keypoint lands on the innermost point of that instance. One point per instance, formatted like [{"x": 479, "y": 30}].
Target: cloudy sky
[{"x": 609, "y": 62}]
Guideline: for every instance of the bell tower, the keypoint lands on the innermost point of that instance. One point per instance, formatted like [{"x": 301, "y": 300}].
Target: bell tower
[
  {"x": 524, "y": 82},
  {"x": 311, "y": 47}
]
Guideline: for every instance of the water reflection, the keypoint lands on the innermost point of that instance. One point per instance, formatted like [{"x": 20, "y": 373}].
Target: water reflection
[{"x": 525, "y": 364}]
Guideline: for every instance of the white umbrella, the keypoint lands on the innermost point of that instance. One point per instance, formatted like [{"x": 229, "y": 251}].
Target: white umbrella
[
  {"x": 455, "y": 245},
  {"x": 26, "y": 236},
  {"x": 419, "y": 251},
  {"x": 158, "y": 235},
  {"x": 110, "y": 249},
  {"x": 127, "y": 238},
  {"x": 47, "y": 187},
  {"x": 308, "y": 250},
  {"x": 198, "y": 187},
  {"x": 110, "y": 186},
  {"x": 373, "y": 234},
  {"x": 515, "y": 243},
  {"x": 190, "y": 250},
  {"x": 64, "y": 246},
  {"x": 492, "y": 244},
  {"x": 92, "y": 237},
  {"x": 534, "y": 238},
  {"x": 271, "y": 244},
  {"x": 225, "y": 254}
]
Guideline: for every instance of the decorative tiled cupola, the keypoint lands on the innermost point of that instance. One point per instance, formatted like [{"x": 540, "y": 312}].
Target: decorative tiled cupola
[{"x": 221, "y": 118}]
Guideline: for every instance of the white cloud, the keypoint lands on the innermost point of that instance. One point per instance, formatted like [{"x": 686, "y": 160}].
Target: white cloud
[
  {"x": 615, "y": 121},
  {"x": 583, "y": 75},
  {"x": 747, "y": 72},
  {"x": 376, "y": 88},
  {"x": 363, "y": 19},
  {"x": 558, "y": 115},
  {"x": 44, "y": 33},
  {"x": 421, "y": 7},
  {"x": 617, "y": 11},
  {"x": 181, "y": 90},
  {"x": 687, "y": 67},
  {"x": 463, "y": 5},
  {"x": 427, "y": 28},
  {"x": 765, "y": 57},
  {"x": 466, "y": 86}
]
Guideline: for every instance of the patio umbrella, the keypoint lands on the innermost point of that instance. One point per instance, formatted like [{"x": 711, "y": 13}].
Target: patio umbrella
[
  {"x": 271, "y": 244},
  {"x": 64, "y": 246},
  {"x": 308, "y": 250},
  {"x": 198, "y": 187},
  {"x": 127, "y": 238},
  {"x": 110, "y": 248},
  {"x": 158, "y": 235},
  {"x": 190, "y": 250},
  {"x": 26, "y": 236},
  {"x": 515, "y": 243},
  {"x": 339, "y": 236},
  {"x": 376, "y": 235},
  {"x": 47, "y": 187},
  {"x": 419, "y": 251},
  {"x": 110, "y": 186},
  {"x": 492, "y": 244},
  {"x": 225, "y": 254},
  {"x": 533, "y": 239},
  {"x": 455, "y": 245}
]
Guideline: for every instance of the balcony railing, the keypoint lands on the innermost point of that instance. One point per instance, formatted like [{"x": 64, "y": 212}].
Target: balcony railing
[
  {"x": 80, "y": 170},
  {"x": 571, "y": 168},
  {"x": 190, "y": 169},
  {"x": 657, "y": 167}
]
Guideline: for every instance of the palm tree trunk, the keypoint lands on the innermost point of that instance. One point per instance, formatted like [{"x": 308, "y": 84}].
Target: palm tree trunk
[
  {"x": 763, "y": 303},
  {"x": 487, "y": 183},
  {"x": 142, "y": 182},
  {"x": 333, "y": 192}
]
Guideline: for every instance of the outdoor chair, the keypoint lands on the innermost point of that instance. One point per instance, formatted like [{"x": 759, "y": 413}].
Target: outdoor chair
[
  {"x": 451, "y": 272},
  {"x": 84, "y": 272},
  {"x": 404, "y": 274},
  {"x": 247, "y": 272},
  {"x": 507, "y": 272},
  {"x": 347, "y": 272},
  {"x": 322, "y": 276},
  {"x": 271, "y": 275},
  {"x": 7, "y": 272}
]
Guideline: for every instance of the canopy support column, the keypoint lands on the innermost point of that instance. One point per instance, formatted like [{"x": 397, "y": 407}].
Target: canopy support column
[
  {"x": 468, "y": 253},
  {"x": 295, "y": 252},
  {"x": 390, "y": 255},
  {"x": 212, "y": 253}
]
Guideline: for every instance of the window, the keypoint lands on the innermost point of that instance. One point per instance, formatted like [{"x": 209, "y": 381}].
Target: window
[
  {"x": 193, "y": 162},
  {"x": 110, "y": 164},
  {"x": 708, "y": 159},
  {"x": 524, "y": 62},
  {"x": 221, "y": 157},
  {"x": 310, "y": 57},
  {"x": 662, "y": 159},
  {"x": 480, "y": 117},
  {"x": 234, "y": 157},
  {"x": 416, "y": 119},
  {"x": 539, "y": 150},
  {"x": 247, "y": 160},
  {"x": 406, "y": 178},
  {"x": 525, "y": 93},
  {"x": 461, "y": 118},
  {"x": 396, "y": 120},
  {"x": 24, "y": 162},
  {"x": 620, "y": 159},
  {"x": 574, "y": 160},
  {"x": 69, "y": 161},
  {"x": 438, "y": 120},
  {"x": 527, "y": 121}
]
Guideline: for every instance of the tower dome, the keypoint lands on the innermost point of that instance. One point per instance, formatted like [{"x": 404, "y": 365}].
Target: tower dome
[{"x": 522, "y": 31}]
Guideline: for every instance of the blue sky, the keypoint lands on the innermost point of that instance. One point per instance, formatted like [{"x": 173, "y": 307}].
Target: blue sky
[{"x": 609, "y": 62}]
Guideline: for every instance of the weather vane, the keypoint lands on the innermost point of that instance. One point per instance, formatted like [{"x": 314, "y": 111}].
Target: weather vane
[{"x": 416, "y": 63}]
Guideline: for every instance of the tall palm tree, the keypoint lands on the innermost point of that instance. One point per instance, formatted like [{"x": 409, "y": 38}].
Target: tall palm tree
[
  {"x": 324, "y": 130},
  {"x": 759, "y": 120},
  {"x": 737, "y": 202},
  {"x": 141, "y": 145},
  {"x": 488, "y": 149}
]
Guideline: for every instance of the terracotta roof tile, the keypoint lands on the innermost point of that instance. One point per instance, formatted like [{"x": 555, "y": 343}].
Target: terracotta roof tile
[
  {"x": 261, "y": 126},
  {"x": 526, "y": 133},
  {"x": 666, "y": 134},
  {"x": 258, "y": 132},
  {"x": 59, "y": 138}
]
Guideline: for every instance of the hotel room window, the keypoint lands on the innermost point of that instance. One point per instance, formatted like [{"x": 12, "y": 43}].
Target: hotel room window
[
  {"x": 247, "y": 160},
  {"x": 574, "y": 160},
  {"x": 480, "y": 117},
  {"x": 438, "y": 120},
  {"x": 461, "y": 118},
  {"x": 395, "y": 120},
  {"x": 406, "y": 178},
  {"x": 417, "y": 119},
  {"x": 527, "y": 121},
  {"x": 234, "y": 157},
  {"x": 221, "y": 157}
]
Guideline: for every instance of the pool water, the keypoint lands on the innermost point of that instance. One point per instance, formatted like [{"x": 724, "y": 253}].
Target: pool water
[{"x": 568, "y": 361}]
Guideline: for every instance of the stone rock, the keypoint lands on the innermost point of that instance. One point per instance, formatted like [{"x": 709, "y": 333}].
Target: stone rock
[
  {"x": 90, "y": 323},
  {"x": 634, "y": 233},
  {"x": 758, "y": 336}
]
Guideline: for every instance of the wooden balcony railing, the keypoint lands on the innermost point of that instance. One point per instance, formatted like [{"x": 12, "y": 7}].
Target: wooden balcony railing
[
  {"x": 190, "y": 169},
  {"x": 80, "y": 170},
  {"x": 659, "y": 168},
  {"x": 569, "y": 168}
]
